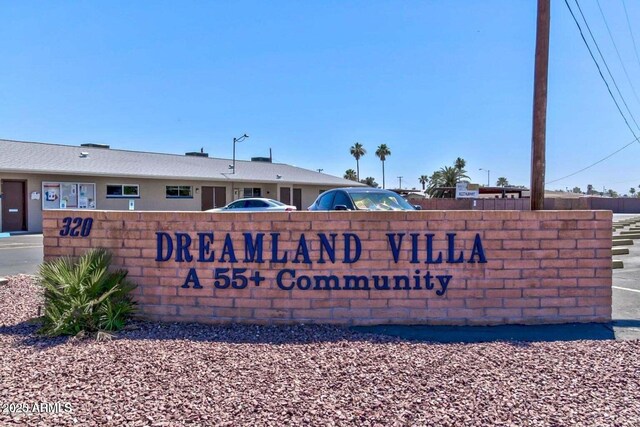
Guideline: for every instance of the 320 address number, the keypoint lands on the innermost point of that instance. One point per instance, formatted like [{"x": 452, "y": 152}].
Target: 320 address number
[{"x": 75, "y": 227}]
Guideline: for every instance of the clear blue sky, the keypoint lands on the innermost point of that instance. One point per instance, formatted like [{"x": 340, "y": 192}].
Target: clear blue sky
[{"x": 433, "y": 80}]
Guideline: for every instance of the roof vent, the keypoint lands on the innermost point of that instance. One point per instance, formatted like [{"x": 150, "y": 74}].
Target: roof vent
[
  {"x": 261, "y": 159},
  {"x": 200, "y": 153},
  {"x": 84, "y": 154},
  {"x": 92, "y": 145}
]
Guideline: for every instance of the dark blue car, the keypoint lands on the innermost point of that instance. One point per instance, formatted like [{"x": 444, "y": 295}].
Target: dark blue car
[{"x": 361, "y": 198}]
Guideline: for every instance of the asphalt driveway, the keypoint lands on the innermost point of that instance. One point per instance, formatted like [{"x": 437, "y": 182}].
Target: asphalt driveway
[{"x": 20, "y": 254}]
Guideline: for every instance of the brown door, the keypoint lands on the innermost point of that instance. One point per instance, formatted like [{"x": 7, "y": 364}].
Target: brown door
[
  {"x": 213, "y": 197},
  {"x": 219, "y": 196},
  {"x": 297, "y": 198},
  {"x": 14, "y": 213},
  {"x": 207, "y": 198},
  {"x": 285, "y": 195}
]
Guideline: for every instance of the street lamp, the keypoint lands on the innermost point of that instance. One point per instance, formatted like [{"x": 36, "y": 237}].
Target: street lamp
[
  {"x": 488, "y": 176},
  {"x": 400, "y": 182},
  {"x": 242, "y": 138}
]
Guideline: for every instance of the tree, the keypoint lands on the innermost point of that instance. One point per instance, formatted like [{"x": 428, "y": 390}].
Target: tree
[
  {"x": 632, "y": 191},
  {"x": 612, "y": 193},
  {"x": 357, "y": 151},
  {"x": 447, "y": 176},
  {"x": 382, "y": 152},
  {"x": 370, "y": 181},
  {"x": 589, "y": 189},
  {"x": 350, "y": 174},
  {"x": 577, "y": 190},
  {"x": 450, "y": 176},
  {"x": 435, "y": 181},
  {"x": 424, "y": 179},
  {"x": 502, "y": 182}
]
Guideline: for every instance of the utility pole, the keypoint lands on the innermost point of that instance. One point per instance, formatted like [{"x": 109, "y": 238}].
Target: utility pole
[
  {"x": 400, "y": 182},
  {"x": 538, "y": 139}
]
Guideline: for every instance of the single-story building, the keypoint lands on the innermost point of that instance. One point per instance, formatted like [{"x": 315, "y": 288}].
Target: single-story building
[{"x": 38, "y": 176}]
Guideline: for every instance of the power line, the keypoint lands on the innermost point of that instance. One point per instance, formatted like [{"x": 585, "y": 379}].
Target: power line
[
  {"x": 635, "y": 48},
  {"x": 599, "y": 70},
  {"x": 617, "y": 52},
  {"x": 606, "y": 66},
  {"x": 593, "y": 164},
  {"x": 636, "y": 138}
]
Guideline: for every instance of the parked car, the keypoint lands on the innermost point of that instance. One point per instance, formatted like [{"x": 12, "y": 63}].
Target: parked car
[
  {"x": 255, "y": 204},
  {"x": 358, "y": 198}
]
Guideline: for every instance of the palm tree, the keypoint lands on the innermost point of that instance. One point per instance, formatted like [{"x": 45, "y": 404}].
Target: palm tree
[
  {"x": 502, "y": 182},
  {"x": 357, "y": 151},
  {"x": 460, "y": 163},
  {"x": 632, "y": 191},
  {"x": 350, "y": 174},
  {"x": 424, "y": 179},
  {"x": 451, "y": 176},
  {"x": 370, "y": 181},
  {"x": 382, "y": 152},
  {"x": 435, "y": 181}
]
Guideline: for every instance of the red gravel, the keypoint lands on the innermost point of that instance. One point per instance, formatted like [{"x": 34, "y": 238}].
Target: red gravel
[{"x": 173, "y": 375}]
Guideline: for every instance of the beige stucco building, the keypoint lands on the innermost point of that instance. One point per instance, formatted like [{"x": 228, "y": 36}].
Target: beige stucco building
[{"x": 37, "y": 176}]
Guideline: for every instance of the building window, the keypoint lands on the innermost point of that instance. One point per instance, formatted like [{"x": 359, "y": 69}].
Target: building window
[
  {"x": 179, "y": 192},
  {"x": 252, "y": 192},
  {"x": 123, "y": 190}
]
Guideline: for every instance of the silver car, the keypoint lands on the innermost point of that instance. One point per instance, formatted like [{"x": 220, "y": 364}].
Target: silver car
[{"x": 255, "y": 204}]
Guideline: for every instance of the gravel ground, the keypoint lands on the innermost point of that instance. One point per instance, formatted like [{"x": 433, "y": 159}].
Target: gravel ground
[{"x": 174, "y": 375}]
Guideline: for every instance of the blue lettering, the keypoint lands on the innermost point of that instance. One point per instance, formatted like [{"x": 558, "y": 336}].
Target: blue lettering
[
  {"x": 395, "y": 247},
  {"x": 451, "y": 237},
  {"x": 183, "y": 241},
  {"x": 162, "y": 237},
  {"x": 303, "y": 283},
  {"x": 414, "y": 248},
  {"x": 282, "y": 286},
  {"x": 356, "y": 281},
  {"x": 348, "y": 259},
  {"x": 274, "y": 249},
  {"x": 384, "y": 286},
  {"x": 204, "y": 252},
  {"x": 430, "y": 259},
  {"x": 302, "y": 251},
  {"x": 330, "y": 248},
  {"x": 427, "y": 280},
  {"x": 192, "y": 277},
  {"x": 401, "y": 279},
  {"x": 478, "y": 251},
  {"x": 444, "y": 282},
  {"x": 253, "y": 251},
  {"x": 227, "y": 250},
  {"x": 328, "y": 281}
]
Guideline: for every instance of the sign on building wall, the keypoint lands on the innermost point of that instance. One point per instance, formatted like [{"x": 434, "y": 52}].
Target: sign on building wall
[{"x": 68, "y": 195}]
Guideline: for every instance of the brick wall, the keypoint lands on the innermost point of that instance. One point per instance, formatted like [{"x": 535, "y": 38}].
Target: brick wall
[
  {"x": 616, "y": 205},
  {"x": 517, "y": 266}
]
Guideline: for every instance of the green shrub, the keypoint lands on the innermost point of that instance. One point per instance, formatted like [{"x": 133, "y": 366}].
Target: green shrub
[{"x": 82, "y": 295}]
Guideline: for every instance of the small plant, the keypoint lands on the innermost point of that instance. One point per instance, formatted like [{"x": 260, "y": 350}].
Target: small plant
[{"x": 82, "y": 295}]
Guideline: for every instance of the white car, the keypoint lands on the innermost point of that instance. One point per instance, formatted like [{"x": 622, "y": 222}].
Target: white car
[{"x": 255, "y": 204}]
